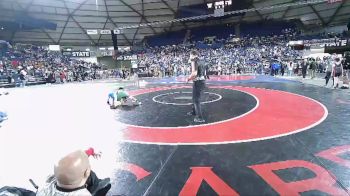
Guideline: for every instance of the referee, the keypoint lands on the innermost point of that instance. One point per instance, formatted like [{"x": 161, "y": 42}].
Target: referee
[{"x": 198, "y": 76}]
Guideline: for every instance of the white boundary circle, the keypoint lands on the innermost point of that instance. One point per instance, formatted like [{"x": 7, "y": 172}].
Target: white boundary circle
[
  {"x": 206, "y": 124},
  {"x": 178, "y": 104}
]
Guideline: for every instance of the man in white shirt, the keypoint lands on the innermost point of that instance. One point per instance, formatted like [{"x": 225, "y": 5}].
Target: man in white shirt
[
  {"x": 290, "y": 68},
  {"x": 22, "y": 76},
  {"x": 71, "y": 174},
  {"x": 73, "y": 177}
]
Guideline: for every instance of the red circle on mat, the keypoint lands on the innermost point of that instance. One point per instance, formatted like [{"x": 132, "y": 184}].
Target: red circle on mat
[{"x": 278, "y": 114}]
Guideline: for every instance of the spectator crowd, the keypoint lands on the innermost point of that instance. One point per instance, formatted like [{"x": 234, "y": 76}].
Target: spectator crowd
[
  {"x": 246, "y": 55},
  {"x": 250, "y": 55},
  {"x": 28, "y": 63}
]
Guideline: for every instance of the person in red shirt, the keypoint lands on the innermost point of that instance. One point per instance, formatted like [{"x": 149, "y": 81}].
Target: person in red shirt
[{"x": 62, "y": 76}]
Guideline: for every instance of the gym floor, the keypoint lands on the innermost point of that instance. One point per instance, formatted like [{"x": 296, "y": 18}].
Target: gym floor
[{"x": 262, "y": 136}]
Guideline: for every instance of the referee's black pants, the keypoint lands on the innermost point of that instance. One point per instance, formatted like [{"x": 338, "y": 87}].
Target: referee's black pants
[
  {"x": 328, "y": 76},
  {"x": 198, "y": 87}
]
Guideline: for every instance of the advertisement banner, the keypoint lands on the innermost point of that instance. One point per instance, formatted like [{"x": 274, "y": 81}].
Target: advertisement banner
[
  {"x": 92, "y": 32},
  {"x": 105, "y": 32},
  {"x": 76, "y": 53}
]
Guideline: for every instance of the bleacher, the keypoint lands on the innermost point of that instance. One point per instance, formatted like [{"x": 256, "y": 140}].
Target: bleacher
[
  {"x": 171, "y": 38},
  {"x": 219, "y": 31},
  {"x": 196, "y": 34},
  {"x": 4, "y": 82},
  {"x": 199, "y": 34},
  {"x": 265, "y": 28}
]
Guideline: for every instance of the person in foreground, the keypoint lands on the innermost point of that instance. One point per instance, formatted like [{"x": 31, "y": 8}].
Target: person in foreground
[
  {"x": 198, "y": 76},
  {"x": 121, "y": 98},
  {"x": 73, "y": 177}
]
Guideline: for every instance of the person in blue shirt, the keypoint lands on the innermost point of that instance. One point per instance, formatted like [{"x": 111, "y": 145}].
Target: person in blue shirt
[
  {"x": 3, "y": 116},
  {"x": 121, "y": 98}
]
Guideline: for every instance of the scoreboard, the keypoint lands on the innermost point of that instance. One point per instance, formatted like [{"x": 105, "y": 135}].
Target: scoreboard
[
  {"x": 219, "y": 7},
  {"x": 219, "y": 4}
]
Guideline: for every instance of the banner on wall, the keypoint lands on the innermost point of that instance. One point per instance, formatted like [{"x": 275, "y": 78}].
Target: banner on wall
[
  {"x": 54, "y": 47},
  {"x": 92, "y": 32},
  {"x": 326, "y": 42},
  {"x": 133, "y": 57},
  {"x": 76, "y": 53},
  {"x": 107, "y": 53},
  {"x": 118, "y": 31},
  {"x": 121, "y": 57},
  {"x": 105, "y": 32}
]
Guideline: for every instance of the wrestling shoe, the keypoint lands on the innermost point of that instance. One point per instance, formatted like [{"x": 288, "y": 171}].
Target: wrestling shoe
[{"x": 199, "y": 120}]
